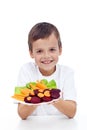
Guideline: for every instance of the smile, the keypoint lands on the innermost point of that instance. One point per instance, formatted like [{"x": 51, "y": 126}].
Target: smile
[{"x": 47, "y": 61}]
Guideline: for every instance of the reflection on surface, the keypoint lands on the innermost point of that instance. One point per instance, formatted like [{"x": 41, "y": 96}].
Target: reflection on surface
[{"x": 45, "y": 122}]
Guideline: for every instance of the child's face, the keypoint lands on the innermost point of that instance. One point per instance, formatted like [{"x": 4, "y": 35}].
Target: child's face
[{"x": 46, "y": 53}]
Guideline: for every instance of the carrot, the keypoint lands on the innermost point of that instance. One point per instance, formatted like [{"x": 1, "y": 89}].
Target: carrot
[
  {"x": 47, "y": 93},
  {"x": 40, "y": 85},
  {"x": 41, "y": 90},
  {"x": 25, "y": 91},
  {"x": 33, "y": 87},
  {"x": 18, "y": 97},
  {"x": 40, "y": 95}
]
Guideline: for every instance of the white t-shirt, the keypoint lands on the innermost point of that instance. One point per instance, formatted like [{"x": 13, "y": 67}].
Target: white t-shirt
[{"x": 64, "y": 77}]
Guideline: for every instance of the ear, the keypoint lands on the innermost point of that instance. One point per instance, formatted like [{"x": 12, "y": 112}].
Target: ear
[
  {"x": 31, "y": 54},
  {"x": 60, "y": 50}
]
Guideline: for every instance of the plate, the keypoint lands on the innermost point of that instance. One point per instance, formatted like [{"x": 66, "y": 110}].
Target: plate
[{"x": 22, "y": 102}]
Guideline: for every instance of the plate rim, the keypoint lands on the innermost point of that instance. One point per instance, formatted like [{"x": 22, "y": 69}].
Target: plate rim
[{"x": 33, "y": 104}]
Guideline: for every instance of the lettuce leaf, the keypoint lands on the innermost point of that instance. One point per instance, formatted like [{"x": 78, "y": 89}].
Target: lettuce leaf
[
  {"x": 44, "y": 81},
  {"x": 28, "y": 84},
  {"x": 52, "y": 84},
  {"x": 18, "y": 89}
]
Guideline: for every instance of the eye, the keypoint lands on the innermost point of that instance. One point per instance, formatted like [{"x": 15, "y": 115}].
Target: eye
[
  {"x": 39, "y": 51},
  {"x": 52, "y": 49}
]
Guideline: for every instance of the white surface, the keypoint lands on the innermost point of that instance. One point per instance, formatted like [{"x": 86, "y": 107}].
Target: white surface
[{"x": 9, "y": 120}]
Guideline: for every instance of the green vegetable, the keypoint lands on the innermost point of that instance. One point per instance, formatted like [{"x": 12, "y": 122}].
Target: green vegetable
[
  {"x": 18, "y": 89},
  {"x": 44, "y": 81},
  {"x": 52, "y": 84},
  {"x": 28, "y": 84}
]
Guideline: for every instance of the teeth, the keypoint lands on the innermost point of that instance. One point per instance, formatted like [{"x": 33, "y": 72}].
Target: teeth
[{"x": 46, "y": 62}]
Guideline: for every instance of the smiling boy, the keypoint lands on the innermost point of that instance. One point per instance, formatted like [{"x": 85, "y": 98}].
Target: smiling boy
[{"x": 45, "y": 47}]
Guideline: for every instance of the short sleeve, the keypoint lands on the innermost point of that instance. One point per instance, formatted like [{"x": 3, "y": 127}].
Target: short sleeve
[
  {"x": 21, "y": 80},
  {"x": 69, "y": 89},
  {"x": 27, "y": 73}
]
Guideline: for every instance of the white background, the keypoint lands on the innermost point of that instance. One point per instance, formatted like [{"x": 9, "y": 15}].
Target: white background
[{"x": 16, "y": 19}]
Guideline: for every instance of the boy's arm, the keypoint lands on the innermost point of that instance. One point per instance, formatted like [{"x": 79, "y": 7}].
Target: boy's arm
[
  {"x": 24, "y": 110},
  {"x": 67, "y": 107}
]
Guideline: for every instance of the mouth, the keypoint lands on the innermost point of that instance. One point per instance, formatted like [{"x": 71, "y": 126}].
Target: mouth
[{"x": 46, "y": 61}]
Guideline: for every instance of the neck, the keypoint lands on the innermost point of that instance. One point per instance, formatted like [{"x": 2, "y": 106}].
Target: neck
[{"x": 47, "y": 73}]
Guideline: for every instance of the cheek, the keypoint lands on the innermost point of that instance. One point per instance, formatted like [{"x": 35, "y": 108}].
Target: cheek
[
  {"x": 56, "y": 57},
  {"x": 37, "y": 58}
]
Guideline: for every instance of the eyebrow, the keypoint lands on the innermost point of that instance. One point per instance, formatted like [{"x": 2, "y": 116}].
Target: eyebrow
[{"x": 38, "y": 49}]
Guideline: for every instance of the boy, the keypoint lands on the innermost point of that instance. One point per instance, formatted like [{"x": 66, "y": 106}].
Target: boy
[{"x": 45, "y": 47}]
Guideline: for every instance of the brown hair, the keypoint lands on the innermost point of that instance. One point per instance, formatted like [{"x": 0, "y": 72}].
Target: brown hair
[{"x": 42, "y": 30}]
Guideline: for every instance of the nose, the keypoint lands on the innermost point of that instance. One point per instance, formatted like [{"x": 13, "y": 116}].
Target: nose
[{"x": 46, "y": 54}]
